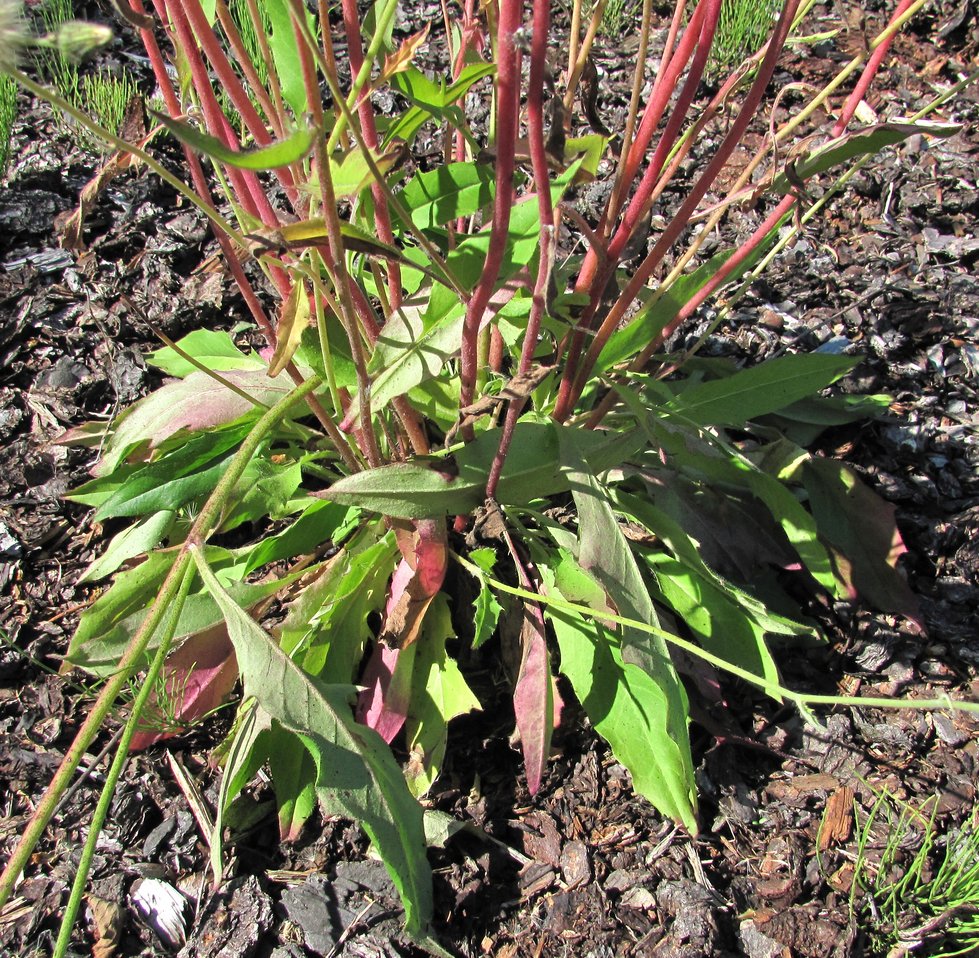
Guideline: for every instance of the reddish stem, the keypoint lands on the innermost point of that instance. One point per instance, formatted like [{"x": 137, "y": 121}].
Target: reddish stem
[
  {"x": 542, "y": 184},
  {"x": 869, "y": 71},
  {"x": 588, "y": 278},
  {"x": 507, "y": 103},
  {"x": 368, "y": 134}
]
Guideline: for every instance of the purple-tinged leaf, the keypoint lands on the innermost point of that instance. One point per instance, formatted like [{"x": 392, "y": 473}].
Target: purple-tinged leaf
[
  {"x": 195, "y": 680},
  {"x": 533, "y": 696},
  {"x": 383, "y": 705},
  {"x": 195, "y": 404}
]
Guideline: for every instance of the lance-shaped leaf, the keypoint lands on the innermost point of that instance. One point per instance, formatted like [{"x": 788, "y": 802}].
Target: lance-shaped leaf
[
  {"x": 356, "y": 774},
  {"x": 293, "y": 320},
  {"x": 456, "y": 485},
  {"x": 439, "y": 693},
  {"x": 533, "y": 696},
  {"x": 626, "y": 705},
  {"x": 762, "y": 389},
  {"x": 280, "y": 153},
  {"x": 605, "y": 553}
]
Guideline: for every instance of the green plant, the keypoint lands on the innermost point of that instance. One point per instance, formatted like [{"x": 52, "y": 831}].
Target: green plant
[
  {"x": 918, "y": 886},
  {"x": 743, "y": 27},
  {"x": 103, "y": 94},
  {"x": 446, "y": 393},
  {"x": 8, "y": 112}
]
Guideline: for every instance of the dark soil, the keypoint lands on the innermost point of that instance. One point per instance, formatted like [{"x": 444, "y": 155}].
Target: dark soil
[{"x": 583, "y": 867}]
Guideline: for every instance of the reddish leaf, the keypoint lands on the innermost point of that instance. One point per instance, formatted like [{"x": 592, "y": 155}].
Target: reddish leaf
[
  {"x": 383, "y": 705},
  {"x": 196, "y": 678},
  {"x": 400, "y": 60},
  {"x": 860, "y": 526},
  {"x": 534, "y": 698}
]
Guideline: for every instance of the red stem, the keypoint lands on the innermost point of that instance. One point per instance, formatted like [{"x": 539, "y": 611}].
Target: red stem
[
  {"x": 368, "y": 133},
  {"x": 542, "y": 184},
  {"x": 869, "y": 71},
  {"x": 588, "y": 278},
  {"x": 507, "y": 103}
]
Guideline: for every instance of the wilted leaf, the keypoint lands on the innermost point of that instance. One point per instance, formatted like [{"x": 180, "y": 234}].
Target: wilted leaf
[
  {"x": 851, "y": 146},
  {"x": 293, "y": 320},
  {"x": 533, "y": 696},
  {"x": 400, "y": 60}
]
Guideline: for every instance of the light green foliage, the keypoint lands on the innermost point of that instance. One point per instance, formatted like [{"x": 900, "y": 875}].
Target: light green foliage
[
  {"x": 615, "y": 16},
  {"x": 104, "y": 94},
  {"x": 916, "y": 884},
  {"x": 743, "y": 27},
  {"x": 8, "y": 111}
]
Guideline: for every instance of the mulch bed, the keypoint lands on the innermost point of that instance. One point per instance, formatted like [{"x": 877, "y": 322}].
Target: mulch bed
[{"x": 583, "y": 867}]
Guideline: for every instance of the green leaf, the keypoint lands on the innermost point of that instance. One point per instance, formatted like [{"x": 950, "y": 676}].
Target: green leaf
[
  {"x": 320, "y": 522},
  {"x": 134, "y": 540},
  {"x": 278, "y": 154},
  {"x": 212, "y": 348},
  {"x": 688, "y": 550},
  {"x": 721, "y": 626},
  {"x": 195, "y": 404},
  {"x": 456, "y": 485},
  {"x": 106, "y": 626},
  {"x": 285, "y": 52},
  {"x": 327, "y": 627},
  {"x": 628, "y": 708},
  {"x": 187, "y": 472},
  {"x": 409, "y": 352},
  {"x": 762, "y": 389},
  {"x": 605, "y": 553},
  {"x": 357, "y": 776},
  {"x": 486, "y": 608},
  {"x": 439, "y": 694},
  {"x": 442, "y": 194},
  {"x": 650, "y": 321},
  {"x": 293, "y": 774},
  {"x": 265, "y": 489},
  {"x": 247, "y": 752}
]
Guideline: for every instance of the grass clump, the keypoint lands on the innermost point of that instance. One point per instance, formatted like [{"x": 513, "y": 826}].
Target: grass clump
[
  {"x": 8, "y": 111},
  {"x": 920, "y": 886}
]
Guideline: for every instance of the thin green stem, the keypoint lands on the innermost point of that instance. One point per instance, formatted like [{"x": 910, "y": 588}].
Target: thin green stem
[
  {"x": 774, "y": 689},
  {"x": 118, "y": 764}
]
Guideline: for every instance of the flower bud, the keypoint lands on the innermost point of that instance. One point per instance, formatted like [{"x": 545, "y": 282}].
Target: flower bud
[{"x": 78, "y": 39}]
